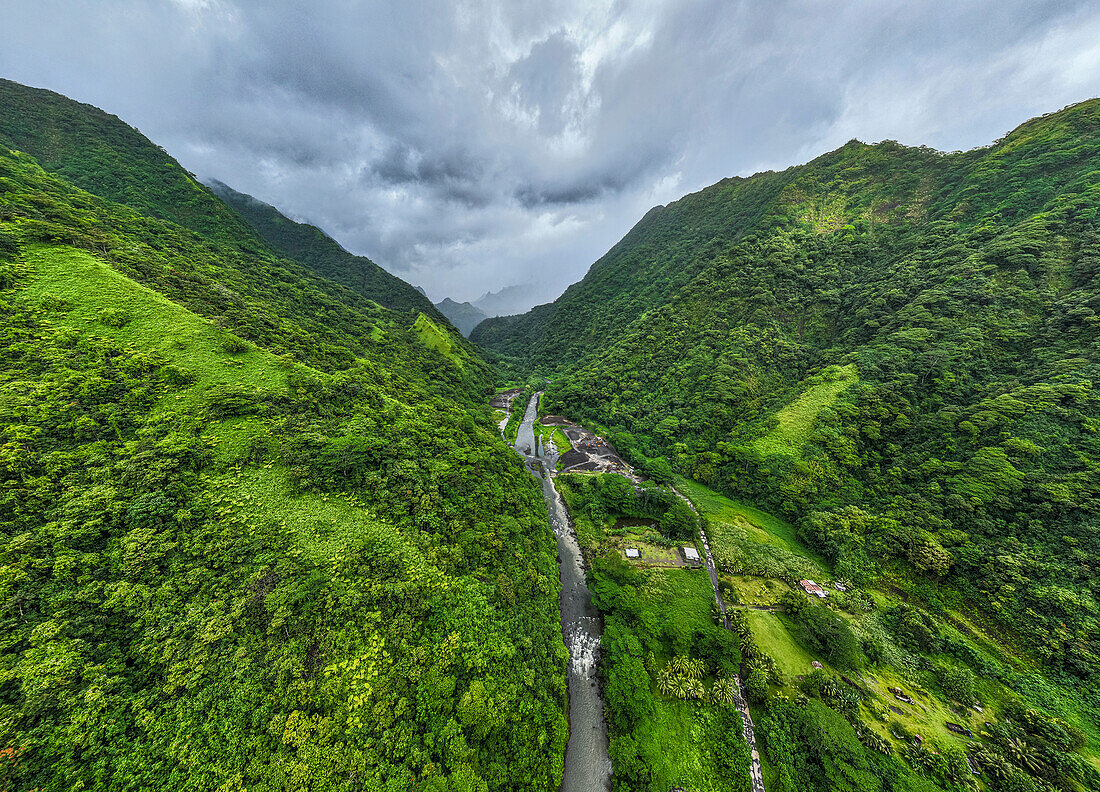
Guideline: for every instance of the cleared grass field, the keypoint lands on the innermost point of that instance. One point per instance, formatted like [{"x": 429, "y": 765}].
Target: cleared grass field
[
  {"x": 741, "y": 535},
  {"x": 763, "y": 527},
  {"x": 757, "y": 591},
  {"x": 774, "y": 639},
  {"x": 434, "y": 337},
  {"x": 796, "y": 419},
  {"x": 77, "y": 290}
]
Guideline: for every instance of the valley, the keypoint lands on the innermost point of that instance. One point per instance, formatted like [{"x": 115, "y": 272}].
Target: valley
[
  {"x": 749, "y": 583},
  {"x": 797, "y": 490}
]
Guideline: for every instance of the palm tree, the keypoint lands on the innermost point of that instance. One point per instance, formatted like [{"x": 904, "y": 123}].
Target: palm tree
[
  {"x": 724, "y": 692},
  {"x": 679, "y": 687},
  {"x": 1024, "y": 755},
  {"x": 664, "y": 682},
  {"x": 697, "y": 690},
  {"x": 693, "y": 668},
  {"x": 995, "y": 764}
]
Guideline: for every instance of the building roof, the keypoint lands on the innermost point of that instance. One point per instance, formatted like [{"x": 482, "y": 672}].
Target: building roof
[
  {"x": 812, "y": 588},
  {"x": 633, "y": 552},
  {"x": 690, "y": 553}
]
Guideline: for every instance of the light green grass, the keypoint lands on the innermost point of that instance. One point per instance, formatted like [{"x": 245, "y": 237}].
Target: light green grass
[
  {"x": 763, "y": 527},
  {"x": 322, "y": 526},
  {"x": 796, "y": 419},
  {"x": 561, "y": 442},
  {"x": 73, "y": 288},
  {"x": 757, "y": 591},
  {"x": 678, "y": 730},
  {"x": 775, "y": 640},
  {"x": 925, "y": 716},
  {"x": 683, "y": 595},
  {"x": 434, "y": 337},
  {"x": 652, "y": 555}
]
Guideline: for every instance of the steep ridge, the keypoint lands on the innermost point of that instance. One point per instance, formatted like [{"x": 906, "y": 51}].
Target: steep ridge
[
  {"x": 463, "y": 315},
  {"x": 895, "y": 349},
  {"x": 256, "y": 530},
  {"x": 100, "y": 153},
  {"x": 313, "y": 248}
]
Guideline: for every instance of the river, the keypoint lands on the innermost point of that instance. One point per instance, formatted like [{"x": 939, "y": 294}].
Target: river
[{"x": 587, "y": 766}]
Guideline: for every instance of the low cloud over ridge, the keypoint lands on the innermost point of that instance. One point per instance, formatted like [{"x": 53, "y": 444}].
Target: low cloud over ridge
[{"x": 468, "y": 146}]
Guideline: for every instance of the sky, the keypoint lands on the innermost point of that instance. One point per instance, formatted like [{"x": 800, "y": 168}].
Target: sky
[{"x": 469, "y": 145}]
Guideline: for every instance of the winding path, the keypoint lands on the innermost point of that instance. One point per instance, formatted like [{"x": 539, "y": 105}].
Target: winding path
[{"x": 755, "y": 771}]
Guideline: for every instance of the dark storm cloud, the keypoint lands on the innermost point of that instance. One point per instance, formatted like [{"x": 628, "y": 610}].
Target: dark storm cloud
[{"x": 469, "y": 145}]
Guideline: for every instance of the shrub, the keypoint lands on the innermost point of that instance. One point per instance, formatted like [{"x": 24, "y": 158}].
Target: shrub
[
  {"x": 235, "y": 345},
  {"x": 114, "y": 317}
]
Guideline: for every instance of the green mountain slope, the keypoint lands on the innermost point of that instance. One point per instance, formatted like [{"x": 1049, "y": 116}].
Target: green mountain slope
[
  {"x": 896, "y": 350},
  {"x": 256, "y": 531},
  {"x": 100, "y": 153},
  {"x": 463, "y": 315},
  {"x": 313, "y": 248}
]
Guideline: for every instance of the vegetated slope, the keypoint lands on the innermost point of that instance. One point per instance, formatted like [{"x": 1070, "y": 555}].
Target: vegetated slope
[
  {"x": 954, "y": 297},
  {"x": 99, "y": 152},
  {"x": 312, "y": 247},
  {"x": 463, "y": 315},
  {"x": 256, "y": 532},
  {"x": 659, "y": 256}
]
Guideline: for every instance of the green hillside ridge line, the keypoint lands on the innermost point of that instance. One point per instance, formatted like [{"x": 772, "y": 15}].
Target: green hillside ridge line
[
  {"x": 78, "y": 290},
  {"x": 100, "y": 153},
  {"x": 316, "y": 250}
]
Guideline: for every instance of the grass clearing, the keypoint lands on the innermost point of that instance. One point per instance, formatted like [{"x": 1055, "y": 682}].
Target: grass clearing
[
  {"x": 561, "y": 442},
  {"x": 925, "y": 716},
  {"x": 774, "y": 639},
  {"x": 680, "y": 595},
  {"x": 77, "y": 290},
  {"x": 797, "y": 418},
  {"x": 322, "y": 525},
  {"x": 652, "y": 554},
  {"x": 763, "y": 527},
  {"x": 757, "y": 591},
  {"x": 434, "y": 337}
]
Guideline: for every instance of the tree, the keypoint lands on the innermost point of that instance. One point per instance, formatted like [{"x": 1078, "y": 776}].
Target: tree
[
  {"x": 756, "y": 685},
  {"x": 724, "y": 692}
]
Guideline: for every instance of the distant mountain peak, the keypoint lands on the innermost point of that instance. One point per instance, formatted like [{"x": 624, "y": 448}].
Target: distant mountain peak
[{"x": 463, "y": 315}]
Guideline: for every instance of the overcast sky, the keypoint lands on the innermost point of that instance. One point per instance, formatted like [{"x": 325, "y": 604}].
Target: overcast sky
[{"x": 467, "y": 146}]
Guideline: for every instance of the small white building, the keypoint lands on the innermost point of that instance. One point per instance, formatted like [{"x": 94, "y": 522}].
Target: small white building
[
  {"x": 633, "y": 552},
  {"x": 690, "y": 553}
]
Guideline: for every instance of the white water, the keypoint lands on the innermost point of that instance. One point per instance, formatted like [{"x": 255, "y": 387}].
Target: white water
[{"x": 587, "y": 765}]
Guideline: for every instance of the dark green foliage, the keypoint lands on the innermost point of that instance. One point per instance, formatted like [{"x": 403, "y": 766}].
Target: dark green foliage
[
  {"x": 337, "y": 579},
  {"x": 814, "y": 748},
  {"x": 895, "y": 348},
  {"x": 828, "y": 634}
]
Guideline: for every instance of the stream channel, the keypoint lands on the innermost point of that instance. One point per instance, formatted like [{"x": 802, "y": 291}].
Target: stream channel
[{"x": 587, "y": 766}]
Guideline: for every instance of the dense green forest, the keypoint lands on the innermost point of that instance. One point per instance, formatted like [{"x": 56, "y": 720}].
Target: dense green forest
[
  {"x": 257, "y": 531},
  {"x": 259, "y": 528},
  {"x": 895, "y": 350}
]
